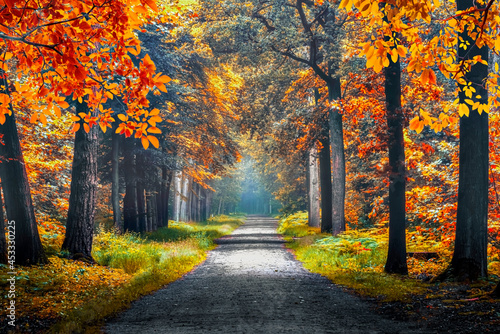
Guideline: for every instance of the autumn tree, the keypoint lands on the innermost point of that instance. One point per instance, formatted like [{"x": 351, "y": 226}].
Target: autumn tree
[
  {"x": 470, "y": 254},
  {"x": 82, "y": 200},
  {"x": 15, "y": 185}
]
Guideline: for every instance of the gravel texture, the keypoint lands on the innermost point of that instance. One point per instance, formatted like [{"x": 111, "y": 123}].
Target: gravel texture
[{"x": 252, "y": 284}]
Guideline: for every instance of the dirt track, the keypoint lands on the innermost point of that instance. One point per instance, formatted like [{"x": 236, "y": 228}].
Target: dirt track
[{"x": 251, "y": 284}]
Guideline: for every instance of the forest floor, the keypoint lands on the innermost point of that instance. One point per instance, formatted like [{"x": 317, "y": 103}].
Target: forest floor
[{"x": 252, "y": 284}]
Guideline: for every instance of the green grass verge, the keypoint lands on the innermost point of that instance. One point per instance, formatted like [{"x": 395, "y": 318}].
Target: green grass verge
[
  {"x": 152, "y": 259},
  {"x": 354, "y": 259}
]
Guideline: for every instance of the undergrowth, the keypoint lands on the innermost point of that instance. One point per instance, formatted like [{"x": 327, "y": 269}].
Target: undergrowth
[
  {"x": 75, "y": 295},
  {"x": 356, "y": 258}
]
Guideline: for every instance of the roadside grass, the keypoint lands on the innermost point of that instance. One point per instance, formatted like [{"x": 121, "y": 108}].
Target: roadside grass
[
  {"x": 74, "y": 296},
  {"x": 356, "y": 258}
]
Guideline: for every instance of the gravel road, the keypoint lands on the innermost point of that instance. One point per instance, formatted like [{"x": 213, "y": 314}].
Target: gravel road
[{"x": 252, "y": 284}]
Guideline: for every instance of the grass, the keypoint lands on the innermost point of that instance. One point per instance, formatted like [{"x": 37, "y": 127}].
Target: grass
[
  {"x": 356, "y": 259},
  {"x": 76, "y": 296}
]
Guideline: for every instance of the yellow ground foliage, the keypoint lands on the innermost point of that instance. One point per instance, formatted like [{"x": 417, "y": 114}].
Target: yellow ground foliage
[
  {"x": 356, "y": 258},
  {"x": 75, "y": 294}
]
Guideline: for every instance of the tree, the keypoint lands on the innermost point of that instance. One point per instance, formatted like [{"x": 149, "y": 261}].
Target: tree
[
  {"x": 16, "y": 188},
  {"x": 314, "y": 203},
  {"x": 396, "y": 256},
  {"x": 80, "y": 223},
  {"x": 470, "y": 254}
]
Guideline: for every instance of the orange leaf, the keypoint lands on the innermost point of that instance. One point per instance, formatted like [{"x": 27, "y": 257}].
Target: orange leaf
[
  {"x": 34, "y": 117},
  {"x": 145, "y": 142},
  {"x": 154, "y": 141}
]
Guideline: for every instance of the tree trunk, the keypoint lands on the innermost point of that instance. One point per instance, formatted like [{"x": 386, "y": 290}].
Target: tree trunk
[
  {"x": 82, "y": 200},
  {"x": 185, "y": 198},
  {"x": 198, "y": 203},
  {"x": 115, "y": 179},
  {"x": 177, "y": 196},
  {"x": 396, "y": 256},
  {"x": 159, "y": 199},
  {"x": 3, "y": 240},
  {"x": 338, "y": 160},
  {"x": 208, "y": 203},
  {"x": 17, "y": 193},
  {"x": 314, "y": 203},
  {"x": 325, "y": 176},
  {"x": 130, "y": 221},
  {"x": 165, "y": 195},
  {"x": 141, "y": 196},
  {"x": 149, "y": 211},
  {"x": 471, "y": 239},
  {"x": 220, "y": 206}
]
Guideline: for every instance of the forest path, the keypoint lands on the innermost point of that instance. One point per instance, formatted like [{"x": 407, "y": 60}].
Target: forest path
[{"x": 252, "y": 284}]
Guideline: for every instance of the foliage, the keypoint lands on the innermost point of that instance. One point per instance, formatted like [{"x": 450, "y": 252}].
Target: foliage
[
  {"x": 296, "y": 225},
  {"x": 356, "y": 258},
  {"x": 77, "y": 294}
]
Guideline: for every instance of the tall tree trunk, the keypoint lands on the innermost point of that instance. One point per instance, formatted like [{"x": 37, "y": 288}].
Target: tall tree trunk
[
  {"x": 396, "y": 256},
  {"x": 130, "y": 219},
  {"x": 185, "y": 198},
  {"x": 159, "y": 200},
  {"x": 17, "y": 193},
  {"x": 141, "y": 195},
  {"x": 115, "y": 179},
  {"x": 208, "y": 203},
  {"x": 3, "y": 241},
  {"x": 82, "y": 200},
  {"x": 338, "y": 159},
  {"x": 177, "y": 195},
  {"x": 470, "y": 254},
  {"x": 220, "y": 206},
  {"x": 149, "y": 211},
  {"x": 165, "y": 195},
  {"x": 325, "y": 176},
  {"x": 314, "y": 203},
  {"x": 154, "y": 211}
]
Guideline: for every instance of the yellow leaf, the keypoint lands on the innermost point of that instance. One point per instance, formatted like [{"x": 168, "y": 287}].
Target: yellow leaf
[
  {"x": 463, "y": 109},
  {"x": 394, "y": 55},
  {"x": 470, "y": 102},
  {"x": 123, "y": 117},
  {"x": 401, "y": 50},
  {"x": 103, "y": 127}
]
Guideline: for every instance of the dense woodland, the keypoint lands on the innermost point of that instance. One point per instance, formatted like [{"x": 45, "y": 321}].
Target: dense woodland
[{"x": 125, "y": 114}]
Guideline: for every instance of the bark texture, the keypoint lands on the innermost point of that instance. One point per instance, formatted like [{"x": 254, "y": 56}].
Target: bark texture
[
  {"x": 396, "y": 256},
  {"x": 314, "y": 203},
  {"x": 470, "y": 254},
  {"x": 338, "y": 160},
  {"x": 325, "y": 176},
  {"x": 115, "y": 180},
  {"x": 17, "y": 194},
  {"x": 130, "y": 221},
  {"x": 82, "y": 200}
]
